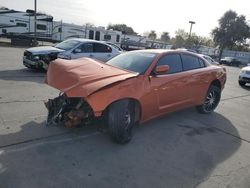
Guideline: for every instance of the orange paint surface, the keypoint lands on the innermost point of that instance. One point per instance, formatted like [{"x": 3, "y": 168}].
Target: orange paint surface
[{"x": 100, "y": 84}]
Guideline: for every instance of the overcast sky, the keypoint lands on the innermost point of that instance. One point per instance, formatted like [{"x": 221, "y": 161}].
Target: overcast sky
[{"x": 159, "y": 15}]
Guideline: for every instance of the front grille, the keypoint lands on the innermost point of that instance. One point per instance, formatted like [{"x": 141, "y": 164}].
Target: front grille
[{"x": 246, "y": 79}]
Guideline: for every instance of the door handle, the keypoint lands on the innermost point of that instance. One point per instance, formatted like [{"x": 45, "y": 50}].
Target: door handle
[
  {"x": 109, "y": 55},
  {"x": 91, "y": 55}
]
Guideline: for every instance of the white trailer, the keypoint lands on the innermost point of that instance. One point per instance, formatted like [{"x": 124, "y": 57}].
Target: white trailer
[
  {"x": 101, "y": 34},
  {"x": 17, "y": 24},
  {"x": 14, "y": 22},
  {"x": 62, "y": 31}
]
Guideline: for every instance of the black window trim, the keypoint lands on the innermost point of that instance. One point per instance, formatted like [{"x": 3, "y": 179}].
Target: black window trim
[
  {"x": 183, "y": 53},
  {"x": 165, "y": 54},
  {"x": 107, "y": 46}
]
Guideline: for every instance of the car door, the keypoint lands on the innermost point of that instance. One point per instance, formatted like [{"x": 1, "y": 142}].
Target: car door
[
  {"x": 197, "y": 77},
  {"x": 170, "y": 88},
  {"x": 83, "y": 50},
  {"x": 102, "y": 52}
]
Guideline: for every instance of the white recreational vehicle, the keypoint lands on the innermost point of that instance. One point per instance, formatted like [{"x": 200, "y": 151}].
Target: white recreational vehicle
[
  {"x": 17, "y": 23},
  {"x": 62, "y": 31},
  {"x": 101, "y": 34},
  {"x": 14, "y": 22}
]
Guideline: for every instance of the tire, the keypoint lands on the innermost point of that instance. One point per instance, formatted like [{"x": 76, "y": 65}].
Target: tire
[
  {"x": 121, "y": 119},
  {"x": 242, "y": 83},
  {"x": 211, "y": 101}
]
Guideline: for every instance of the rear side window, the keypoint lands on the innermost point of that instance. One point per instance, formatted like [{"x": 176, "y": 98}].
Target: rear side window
[
  {"x": 173, "y": 61},
  {"x": 202, "y": 64},
  {"x": 190, "y": 62},
  {"x": 102, "y": 48}
]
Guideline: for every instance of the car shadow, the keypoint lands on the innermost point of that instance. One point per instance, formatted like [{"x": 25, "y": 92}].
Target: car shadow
[
  {"x": 246, "y": 87},
  {"x": 177, "y": 150},
  {"x": 25, "y": 74}
]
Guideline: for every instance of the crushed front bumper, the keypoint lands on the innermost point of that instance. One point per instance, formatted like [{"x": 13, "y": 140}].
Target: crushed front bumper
[{"x": 70, "y": 112}]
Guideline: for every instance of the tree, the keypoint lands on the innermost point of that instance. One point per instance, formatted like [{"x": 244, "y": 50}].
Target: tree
[
  {"x": 233, "y": 30},
  {"x": 152, "y": 35},
  {"x": 180, "y": 39},
  {"x": 123, "y": 28},
  {"x": 165, "y": 36}
]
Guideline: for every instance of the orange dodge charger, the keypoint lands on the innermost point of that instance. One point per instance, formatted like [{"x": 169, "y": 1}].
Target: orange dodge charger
[{"x": 132, "y": 88}]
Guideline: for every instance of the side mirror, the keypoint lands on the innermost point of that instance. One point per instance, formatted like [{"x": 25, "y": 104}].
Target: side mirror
[
  {"x": 161, "y": 69},
  {"x": 77, "y": 50}
]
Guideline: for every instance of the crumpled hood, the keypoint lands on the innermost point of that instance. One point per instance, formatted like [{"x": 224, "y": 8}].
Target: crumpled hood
[
  {"x": 81, "y": 77},
  {"x": 44, "y": 50}
]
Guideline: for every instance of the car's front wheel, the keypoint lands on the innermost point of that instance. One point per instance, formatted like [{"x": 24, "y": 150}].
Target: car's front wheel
[
  {"x": 121, "y": 119},
  {"x": 211, "y": 101},
  {"x": 242, "y": 83}
]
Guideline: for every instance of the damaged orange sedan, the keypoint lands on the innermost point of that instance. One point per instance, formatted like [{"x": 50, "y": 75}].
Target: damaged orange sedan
[{"x": 132, "y": 88}]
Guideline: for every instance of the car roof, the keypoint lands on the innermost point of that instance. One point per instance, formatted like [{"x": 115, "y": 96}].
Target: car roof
[
  {"x": 85, "y": 40},
  {"x": 161, "y": 51}
]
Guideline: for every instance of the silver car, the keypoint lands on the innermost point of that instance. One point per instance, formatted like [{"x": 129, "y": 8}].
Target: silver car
[
  {"x": 40, "y": 57},
  {"x": 244, "y": 76}
]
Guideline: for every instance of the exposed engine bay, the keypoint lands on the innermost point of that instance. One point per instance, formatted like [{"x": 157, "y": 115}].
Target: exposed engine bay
[{"x": 70, "y": 112}]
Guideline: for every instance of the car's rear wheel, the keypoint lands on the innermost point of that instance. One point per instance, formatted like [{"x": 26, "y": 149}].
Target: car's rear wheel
[
  {"x": 121, "y": 119},
  {"x": 211, "y": 101},
  {"x": 242, "y": 83}
]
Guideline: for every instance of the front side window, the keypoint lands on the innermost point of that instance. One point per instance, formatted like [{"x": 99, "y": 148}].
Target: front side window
[
  {"x": 190, "y": 62},
  {"x": 133, "y": 61},
  {"x": 173, "y": 61},
  {"x": 87, "y": 48},
  {"x": 101, "y": 48}
]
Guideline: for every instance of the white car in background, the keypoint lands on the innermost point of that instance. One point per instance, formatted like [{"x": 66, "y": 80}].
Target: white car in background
[
  {"x": 244, "y": 76},
  {"x": 40, "y": 57}
]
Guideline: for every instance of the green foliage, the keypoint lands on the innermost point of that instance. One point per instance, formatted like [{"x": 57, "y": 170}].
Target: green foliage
[
  {"x": 183, "y": 40},
  {"x": 152, "y": 35},
  {"x": 165, "y": 37},
  {"x": 233, "y": 31},
  {"x": 123, "y": 28}
]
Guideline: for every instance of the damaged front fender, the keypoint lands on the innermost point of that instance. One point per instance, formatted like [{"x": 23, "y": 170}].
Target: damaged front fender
[{"x": 70, "y": 112}]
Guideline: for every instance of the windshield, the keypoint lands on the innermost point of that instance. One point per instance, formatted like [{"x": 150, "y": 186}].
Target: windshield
[
  {"x": 67, "y": 45},
  {"x": 133, "y": 61}
]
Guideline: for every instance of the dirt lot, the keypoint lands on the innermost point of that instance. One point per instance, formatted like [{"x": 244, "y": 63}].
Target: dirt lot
[{"x": 182, "y": 149}]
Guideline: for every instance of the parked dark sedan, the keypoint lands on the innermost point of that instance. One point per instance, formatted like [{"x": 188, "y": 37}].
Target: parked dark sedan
[{"x": 230, "y": 61}]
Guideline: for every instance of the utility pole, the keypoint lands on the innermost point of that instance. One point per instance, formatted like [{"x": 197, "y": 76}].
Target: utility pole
[
  {"x": 35, "y": 41},
  {"x": 191, "y": 24}
]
